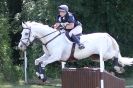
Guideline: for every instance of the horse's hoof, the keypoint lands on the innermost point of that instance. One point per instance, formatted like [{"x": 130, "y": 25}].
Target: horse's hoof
[
  {"x": 119, "y": 70},
  {"x": 39, "y": 77},
  {"x": 122, "y": 70},
  {"x": 44, "y": 80}
]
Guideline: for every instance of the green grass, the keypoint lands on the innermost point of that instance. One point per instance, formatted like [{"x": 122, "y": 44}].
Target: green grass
[
  {"x": 25, "y": 86},
  {"x": 52, "y": 84},
  {"x": 129, "y": 81}
]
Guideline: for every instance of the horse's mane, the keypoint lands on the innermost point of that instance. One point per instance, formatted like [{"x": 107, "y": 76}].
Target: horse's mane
[{"x": 33, "y": 23}]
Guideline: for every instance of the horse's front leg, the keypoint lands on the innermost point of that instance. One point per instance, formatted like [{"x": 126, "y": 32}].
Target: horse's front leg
[
  {"x": 38, "y": 68},
  {"x": 50, "y": 59},
  {"x": 40, "y": 59}
]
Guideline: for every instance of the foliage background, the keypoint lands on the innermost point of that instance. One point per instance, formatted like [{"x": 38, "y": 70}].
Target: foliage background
[{"x": 112, "y": 16}]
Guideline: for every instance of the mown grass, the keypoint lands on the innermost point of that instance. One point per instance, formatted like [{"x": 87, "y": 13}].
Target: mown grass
[
  {"x": 24, "y": 86},
  {"x": 52, "y": 84},
  {"x": 129, "y": 81}
]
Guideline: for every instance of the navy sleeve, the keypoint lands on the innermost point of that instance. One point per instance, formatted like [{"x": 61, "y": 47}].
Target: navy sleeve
[{"x": 71, "y": 19}]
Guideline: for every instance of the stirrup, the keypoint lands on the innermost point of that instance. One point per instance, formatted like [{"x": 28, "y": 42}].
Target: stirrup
[{"x": 81, "y": 46}]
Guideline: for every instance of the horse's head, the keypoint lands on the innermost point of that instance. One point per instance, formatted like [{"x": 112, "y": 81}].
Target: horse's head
[{"x": 27, "y": 36}]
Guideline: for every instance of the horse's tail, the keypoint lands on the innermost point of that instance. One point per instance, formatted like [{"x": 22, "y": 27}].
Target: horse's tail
[
  {"x": 122, "y": 60},
  {"x": 125, "y": 60}
]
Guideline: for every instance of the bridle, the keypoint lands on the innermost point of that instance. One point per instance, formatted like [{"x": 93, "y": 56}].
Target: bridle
[
  {"x": 28, "y": 39},
  {"x": 45, "y": 44}
]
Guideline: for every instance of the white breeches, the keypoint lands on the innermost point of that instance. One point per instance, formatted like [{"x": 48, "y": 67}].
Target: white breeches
[{"x": 76, "y": 30}]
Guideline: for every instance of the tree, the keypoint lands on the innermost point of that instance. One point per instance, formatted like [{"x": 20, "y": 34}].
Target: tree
[{"x": 7, "y": 69}]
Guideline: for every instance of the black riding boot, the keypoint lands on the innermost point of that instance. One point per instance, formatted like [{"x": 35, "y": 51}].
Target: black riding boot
[{"x": 76, "y": 40}]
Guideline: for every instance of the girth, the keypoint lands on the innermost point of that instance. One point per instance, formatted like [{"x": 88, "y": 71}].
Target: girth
[{"x": 72, "y": 58}]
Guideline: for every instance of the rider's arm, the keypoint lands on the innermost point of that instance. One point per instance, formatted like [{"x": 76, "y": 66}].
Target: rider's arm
[
  {"x": 56, "y": 25},
  {"x": 70, "y": 26},
  {"x": 71, "y": 21}
]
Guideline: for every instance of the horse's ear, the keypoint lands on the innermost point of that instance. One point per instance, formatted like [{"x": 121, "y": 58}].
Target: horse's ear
[{"x": 23, "y": 24}]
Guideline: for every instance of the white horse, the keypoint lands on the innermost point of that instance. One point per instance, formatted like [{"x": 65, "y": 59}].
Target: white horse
[{"x": 58, "y": 48}]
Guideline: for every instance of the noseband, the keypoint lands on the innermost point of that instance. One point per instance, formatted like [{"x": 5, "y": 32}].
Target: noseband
[{"x": 28, "y": 39}]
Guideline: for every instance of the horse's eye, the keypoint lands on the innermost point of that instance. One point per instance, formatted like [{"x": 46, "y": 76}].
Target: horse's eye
[{"x": 26, "y": 34}]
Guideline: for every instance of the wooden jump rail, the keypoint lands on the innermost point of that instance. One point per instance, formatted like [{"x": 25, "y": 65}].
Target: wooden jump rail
[{"x": 89, "y": 78}]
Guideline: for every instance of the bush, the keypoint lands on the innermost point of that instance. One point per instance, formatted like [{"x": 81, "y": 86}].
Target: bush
[{"x": 6, "y": 66}]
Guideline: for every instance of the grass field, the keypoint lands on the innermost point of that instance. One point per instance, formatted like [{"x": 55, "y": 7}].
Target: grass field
[
  {"x": 129, "y": 82},
  {"x": 53, "y": 83},
  {"x": 24, "y": 86},
  {"x": 32, "y": 84}
]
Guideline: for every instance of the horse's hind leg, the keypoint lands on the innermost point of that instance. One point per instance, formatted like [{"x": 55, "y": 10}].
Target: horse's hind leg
[
  {"x": 115, "y": 61},
  {"x": 117, "y": 66}
]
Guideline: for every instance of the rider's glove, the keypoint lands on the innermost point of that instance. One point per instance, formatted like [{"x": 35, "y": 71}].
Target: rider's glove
[{"x": 64, "y": 24}]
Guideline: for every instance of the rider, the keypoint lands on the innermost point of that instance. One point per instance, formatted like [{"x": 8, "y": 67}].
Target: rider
[{"x": 72, "y": 26}]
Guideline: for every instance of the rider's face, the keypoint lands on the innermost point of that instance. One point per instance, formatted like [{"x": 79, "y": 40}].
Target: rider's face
[{"x": 62, "y": 13}]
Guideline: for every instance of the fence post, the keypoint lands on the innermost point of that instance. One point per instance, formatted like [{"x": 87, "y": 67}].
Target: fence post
[
  {"x": 25, "y": 66},
  {"x": 102, "y": 70},
  {"x": 63, "y": 65}
]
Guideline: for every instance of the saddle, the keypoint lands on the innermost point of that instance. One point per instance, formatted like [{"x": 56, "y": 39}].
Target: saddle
[{"x": 72, "y": 58}]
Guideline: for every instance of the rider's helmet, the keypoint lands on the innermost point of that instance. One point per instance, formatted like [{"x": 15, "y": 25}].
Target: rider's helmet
[{"x": 63, "y": 8}]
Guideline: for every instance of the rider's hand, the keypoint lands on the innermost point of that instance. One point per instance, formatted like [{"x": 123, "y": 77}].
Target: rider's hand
[
  {"x": 64, "y": 24},
  {"x": 61, "y": 27}
]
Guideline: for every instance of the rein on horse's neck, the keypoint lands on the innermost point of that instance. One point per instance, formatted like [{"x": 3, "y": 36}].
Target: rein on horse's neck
[{"x": 47, "y": 32}]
